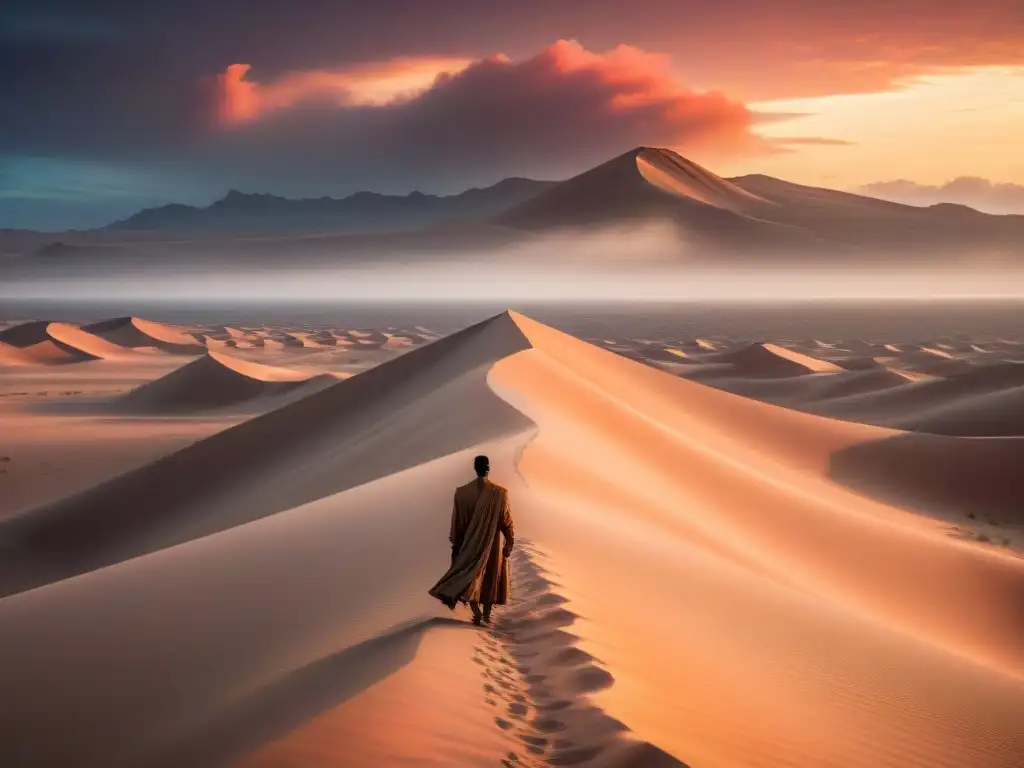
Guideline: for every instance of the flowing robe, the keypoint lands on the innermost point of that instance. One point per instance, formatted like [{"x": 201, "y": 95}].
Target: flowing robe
[{"x": 481, "y": 516}]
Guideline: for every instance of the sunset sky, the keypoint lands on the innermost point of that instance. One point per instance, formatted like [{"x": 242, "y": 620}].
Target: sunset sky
[{"x": 111, "y": 105}]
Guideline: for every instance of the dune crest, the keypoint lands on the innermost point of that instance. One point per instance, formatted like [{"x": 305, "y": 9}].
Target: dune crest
[
  {"x": 683, "y": 178},
  {"x": 87, "y": 343},
  {"x": 137, "y": 332},
  {"x": 701, "y": 579},
  {"x": 648, "y": 184},
  {"x": 42, "y": 342},
  {"x": 217, "y": 380},
  {"x": 896, "y": 587},
  {"x": 757, "y": 361}
]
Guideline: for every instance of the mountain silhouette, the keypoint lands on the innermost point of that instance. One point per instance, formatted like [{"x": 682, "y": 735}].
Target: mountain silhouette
[{"x": 360, "y": 212}]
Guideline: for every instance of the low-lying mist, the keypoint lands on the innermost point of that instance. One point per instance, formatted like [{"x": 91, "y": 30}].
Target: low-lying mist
[{"x": 653, "y": 263}]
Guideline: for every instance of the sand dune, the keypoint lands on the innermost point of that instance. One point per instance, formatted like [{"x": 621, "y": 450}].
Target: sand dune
[
  {"x": 701, "y": 579},
  {"x": 747, "y": 520},
  {"x": 651, "y": 184},
  {"x": 757, "y": 361},
  {"x": 923, "y": 362},
  {"x": 683, "y": 178},
  {"x": 811, "y": 389},
  {"x": 87, "y": 343},
  {"x": 10, "y": 355},
  {"x": 256, "y": 465},
  {"x": 857, "y": 362},
  {"x": 918, "y": 397},
  {"x": 25, "y": 334},
  {"x": 42, "y": 342},
  {"x": 306, "y": 340},
  {"x": 217, "y": 380},
  {"x": 970, "y": 401},
  {"x": 135, "y": 332},
  {"x": 993, "y": 414},
  {"x": 214, "y": 343}
]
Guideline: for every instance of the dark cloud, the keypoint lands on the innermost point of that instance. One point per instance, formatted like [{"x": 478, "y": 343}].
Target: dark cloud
[
  {"x": 982, "y": 194},
  {"x": 548, "y": 116}
]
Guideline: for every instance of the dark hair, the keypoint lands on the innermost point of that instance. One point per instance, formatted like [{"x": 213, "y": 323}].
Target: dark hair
[{"x": 482, "y": 465}]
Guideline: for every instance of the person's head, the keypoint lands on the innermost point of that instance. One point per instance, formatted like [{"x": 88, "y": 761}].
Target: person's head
[{"x": 482, "y": 465}]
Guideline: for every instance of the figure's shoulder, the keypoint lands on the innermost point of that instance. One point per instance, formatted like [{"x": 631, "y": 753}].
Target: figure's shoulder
[{"x": 471, "y": 489}]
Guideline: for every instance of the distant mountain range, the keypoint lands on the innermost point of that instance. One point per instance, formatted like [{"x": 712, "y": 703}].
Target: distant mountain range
[
  {"x": 754, "y": 212},
  {"x": 756, "y": 217},
  {"x": 361, "y": 212}
]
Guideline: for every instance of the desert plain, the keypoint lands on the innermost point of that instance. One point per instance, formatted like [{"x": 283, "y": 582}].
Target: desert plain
[{"x": 216, "y": 544}]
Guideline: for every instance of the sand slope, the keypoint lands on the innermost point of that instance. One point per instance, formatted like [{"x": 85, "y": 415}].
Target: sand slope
[
  {"x": 137, "y": 332},
  {"x": 808, "y": 391},
  {"x": 359, "y": 429},
  {"x": 729, "y": 517},
  {"x": 983, "y": 401},
  {"x": 217, "y": 380},
  {"x": 701, "y": 579},
  {"x": 757, "y": 361},
  {"x": 11, "y": 355},
  {"x": 648, "y": 183},
  {"x": 42, "y": 342}
]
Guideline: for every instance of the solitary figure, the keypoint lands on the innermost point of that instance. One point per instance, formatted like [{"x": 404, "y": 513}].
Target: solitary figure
[{"x": 481, "y": 517}]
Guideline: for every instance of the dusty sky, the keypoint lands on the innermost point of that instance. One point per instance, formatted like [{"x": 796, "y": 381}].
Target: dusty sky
[{"x": 111, "y": 105}]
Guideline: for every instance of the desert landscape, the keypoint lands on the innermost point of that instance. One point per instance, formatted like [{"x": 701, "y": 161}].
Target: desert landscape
[
  {"x": 684, "y": 336},
  {"x": 217, "y": 543}
]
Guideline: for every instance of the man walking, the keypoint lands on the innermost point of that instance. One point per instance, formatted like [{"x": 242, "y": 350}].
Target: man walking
[{"x": 481, "y": 518}]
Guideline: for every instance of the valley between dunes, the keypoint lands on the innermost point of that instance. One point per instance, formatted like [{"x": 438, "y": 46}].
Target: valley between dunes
[{"x": 702, "y": 578}]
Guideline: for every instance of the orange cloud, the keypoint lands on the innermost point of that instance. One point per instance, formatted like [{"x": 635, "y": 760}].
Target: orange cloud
[
  {"x": 242, "y": 100},
  {"x": 445, "y": 122},
  {"x": 629, "y": 94}
]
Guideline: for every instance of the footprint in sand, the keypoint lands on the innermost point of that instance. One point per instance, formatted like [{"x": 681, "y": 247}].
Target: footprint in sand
[
  {"x": 555, "y": 706},
  {"x": 548, "y": 725},
  {"x": 571, "y": 656},
  {"x": 534, "y": 744},
  {"x": 550, "y": 599},
  {"x": 591, "y": 679}
]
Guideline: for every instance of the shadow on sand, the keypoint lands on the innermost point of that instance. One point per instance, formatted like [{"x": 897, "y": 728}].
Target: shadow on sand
[
  {"x": 270, "y": 712},
  {"x": 937, "y": 475},
  {"x": 353, "y": 432}
]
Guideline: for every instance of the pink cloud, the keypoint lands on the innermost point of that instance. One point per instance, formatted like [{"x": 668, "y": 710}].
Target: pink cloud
[
  {"x": 548, "y": 115},
  {"x": 242, "y": 99}
]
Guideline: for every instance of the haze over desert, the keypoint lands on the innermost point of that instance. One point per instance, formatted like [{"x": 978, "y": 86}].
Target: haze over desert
[{"x": 514, "y": 384}]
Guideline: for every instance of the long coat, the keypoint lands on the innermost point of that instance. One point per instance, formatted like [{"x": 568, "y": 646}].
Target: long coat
[{"x": 481, "y": 517}]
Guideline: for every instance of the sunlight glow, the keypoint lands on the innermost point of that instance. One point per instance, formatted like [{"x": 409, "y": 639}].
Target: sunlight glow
[{"x": 931, "y": 129}]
